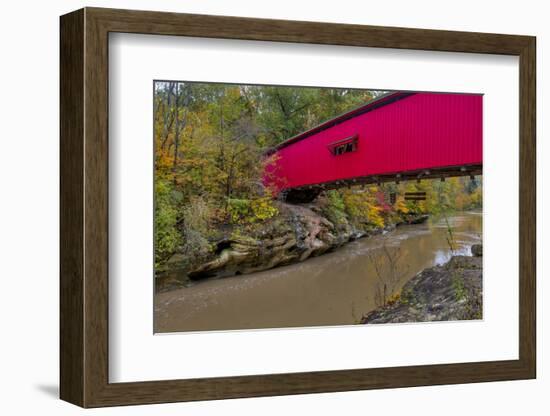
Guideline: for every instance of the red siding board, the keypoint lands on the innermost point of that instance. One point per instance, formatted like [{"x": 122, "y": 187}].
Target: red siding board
[{"x": 421, "y": 131}]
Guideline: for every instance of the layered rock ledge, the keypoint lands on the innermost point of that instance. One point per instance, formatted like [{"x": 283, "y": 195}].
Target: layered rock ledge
[{"x": 300, "y": 232}]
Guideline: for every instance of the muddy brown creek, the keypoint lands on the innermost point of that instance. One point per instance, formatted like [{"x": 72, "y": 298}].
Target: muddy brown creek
[{"x": 337, "y": 288}]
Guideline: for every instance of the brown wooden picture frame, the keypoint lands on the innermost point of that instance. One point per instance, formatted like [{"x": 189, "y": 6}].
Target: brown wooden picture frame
[{"x": 84, "y": 207}]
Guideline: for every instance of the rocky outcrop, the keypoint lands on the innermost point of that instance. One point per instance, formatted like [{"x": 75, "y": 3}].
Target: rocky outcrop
[
  {"x": 299, "y": 234},
  {"x": 452, "y": 291},
  {"x": 300, "y": 231}
]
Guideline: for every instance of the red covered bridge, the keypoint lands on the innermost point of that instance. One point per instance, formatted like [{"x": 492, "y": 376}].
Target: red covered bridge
[{"x": 399, "y": 136}]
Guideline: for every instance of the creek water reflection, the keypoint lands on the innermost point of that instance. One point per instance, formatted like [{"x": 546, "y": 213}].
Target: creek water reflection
[{"x": 337, "y": 288}]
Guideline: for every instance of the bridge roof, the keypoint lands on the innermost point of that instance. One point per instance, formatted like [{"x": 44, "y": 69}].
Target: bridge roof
[{"x": 381, "y": 101}]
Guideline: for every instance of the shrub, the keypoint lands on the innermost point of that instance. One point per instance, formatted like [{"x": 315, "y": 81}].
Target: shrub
[
  {"x": 364, "y": 207},
  {"x": 334, "y": 208},
  {"x": 167, "y": 236},
  {"x": 238, "y": 209},
  {"x": 263, "y": 208},
  {"x": 197, "y": 218},
  {"x": 244, "y": 211}
]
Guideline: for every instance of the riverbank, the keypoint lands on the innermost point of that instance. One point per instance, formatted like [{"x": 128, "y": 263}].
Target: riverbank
[
  {"x": 298, "y": 232},
  {"x": 448, "y": 292},
  {"x": 336, "y": 288}
]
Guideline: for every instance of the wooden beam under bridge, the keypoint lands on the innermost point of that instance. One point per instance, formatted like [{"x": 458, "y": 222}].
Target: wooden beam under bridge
[{"x": 308, "y": 193}]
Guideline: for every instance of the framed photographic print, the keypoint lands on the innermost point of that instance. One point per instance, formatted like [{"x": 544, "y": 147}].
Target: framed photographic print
[{"x": 255, "y": 207}]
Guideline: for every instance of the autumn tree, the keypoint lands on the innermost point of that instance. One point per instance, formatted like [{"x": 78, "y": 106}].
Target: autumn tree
[{"x": 210, "y": 157}]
